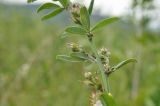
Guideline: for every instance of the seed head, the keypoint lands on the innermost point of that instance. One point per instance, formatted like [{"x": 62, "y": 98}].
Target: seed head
[{"x": 74, "y": 9}]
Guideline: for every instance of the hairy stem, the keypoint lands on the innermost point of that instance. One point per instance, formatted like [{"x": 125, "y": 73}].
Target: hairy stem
[{"x": 104, "y": 78}]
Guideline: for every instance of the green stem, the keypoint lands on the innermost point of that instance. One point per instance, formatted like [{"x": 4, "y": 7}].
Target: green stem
[
  {"x": 105, "y": 82},
  {"x": 108, "y": 85}
]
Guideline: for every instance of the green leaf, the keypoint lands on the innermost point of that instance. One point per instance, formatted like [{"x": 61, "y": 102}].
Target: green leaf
[
  {"x": 107, "y": 100},
  {"x": 104, "y": 23},
  {"x": 30, "y": 1},
  {"x": 75, "y": 30},
  {"x": 47, "y": 6},
  {"x": 53, "y": 14},
  {"x": 85, "y": 19},
  {"x": 82, "y": 56},
  {"x": 122, "y": 64},
  {"x": 64, "y": 2},
  {"x": 91, "y": 7},
  {"x": 68, "y": 58},
  {"x": 64, "y": 35}
]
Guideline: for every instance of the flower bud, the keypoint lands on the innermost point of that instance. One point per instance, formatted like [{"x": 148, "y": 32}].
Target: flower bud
[
  {"x": 107, "y": 69},
  {"x": 106, "y": 66},
  {"x": 75, "y": 47},
  {"x": 104, "y": 52},
  {"x": 88, "y": 75},
  {"x": 103, "y": 59},
  {"x": 74, "y": 9}
]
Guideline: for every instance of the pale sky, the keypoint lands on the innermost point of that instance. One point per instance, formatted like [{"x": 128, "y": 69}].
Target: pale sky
[{"x": 113, "y": 7}]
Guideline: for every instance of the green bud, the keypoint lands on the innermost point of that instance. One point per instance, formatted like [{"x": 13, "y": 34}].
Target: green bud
[{"x": 75, "y": 47}]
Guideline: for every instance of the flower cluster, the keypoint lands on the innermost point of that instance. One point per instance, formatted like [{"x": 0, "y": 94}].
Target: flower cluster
[{"x": 74, "y": 10}]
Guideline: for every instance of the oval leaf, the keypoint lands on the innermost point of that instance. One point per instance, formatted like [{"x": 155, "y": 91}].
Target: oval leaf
[
  {"x": 107, "y": 100},
  {"x": 53, "y": 14},
  {"x": 64, "y": 2},
  {"x": 47, "y": 6},
  {"x": 82, "y": 56},
  {"x": 91, "y": 7},
  {"x": 85, "y": 20},
  {"x": 75, "y": 30},
  {"x": 104, "y": 23},
  {"x": 68, "y": 58},
  {"x": 122, "y": 64}
]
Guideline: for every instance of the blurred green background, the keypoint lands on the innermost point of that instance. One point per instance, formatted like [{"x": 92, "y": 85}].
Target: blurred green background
[{"x": 30, "y": 75}]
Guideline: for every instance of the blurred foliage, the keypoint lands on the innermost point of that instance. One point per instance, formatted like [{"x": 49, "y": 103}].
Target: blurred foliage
[{"x": 30, "y": 75}]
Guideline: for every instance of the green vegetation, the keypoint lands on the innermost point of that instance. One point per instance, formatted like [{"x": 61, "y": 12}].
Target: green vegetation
[
  {"x": 31, "y": 75},
  {"x": 97, "y": 81}
]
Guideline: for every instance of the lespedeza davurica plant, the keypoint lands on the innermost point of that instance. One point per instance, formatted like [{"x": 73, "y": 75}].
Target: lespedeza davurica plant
[{"x": 97, "y": 82}]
